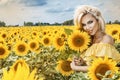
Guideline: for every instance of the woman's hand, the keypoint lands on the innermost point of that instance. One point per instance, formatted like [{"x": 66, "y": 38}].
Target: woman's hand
[
  {"x": 79, "y": 61},
  {"x": 78, "y": 68},
  {"x": 72, "y": 65},
  {"x": 76, "y": 62}
]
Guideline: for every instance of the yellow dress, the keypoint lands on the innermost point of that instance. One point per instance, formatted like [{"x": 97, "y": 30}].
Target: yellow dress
[{"x": 101, "y": 50}]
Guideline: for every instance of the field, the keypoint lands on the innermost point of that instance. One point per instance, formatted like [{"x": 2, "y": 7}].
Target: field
[{"x": 45, "y": 52}]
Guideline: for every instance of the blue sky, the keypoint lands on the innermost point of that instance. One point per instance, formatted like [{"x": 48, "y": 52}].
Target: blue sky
[{"x": 17, "y": 11}]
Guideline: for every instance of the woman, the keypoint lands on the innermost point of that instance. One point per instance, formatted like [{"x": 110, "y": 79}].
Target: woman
[{"x": 89, "y": 19}]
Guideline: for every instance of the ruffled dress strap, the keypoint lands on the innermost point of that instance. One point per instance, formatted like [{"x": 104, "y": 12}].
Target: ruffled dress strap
[{"x": 103, "y": 49}]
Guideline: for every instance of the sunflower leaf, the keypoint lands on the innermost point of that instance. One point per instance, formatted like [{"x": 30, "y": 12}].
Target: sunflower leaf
[
  {"x": 99, "y": 75},
  {"x": 107, "y": 79},
  {"x": 116, "y": 76},
  {"x": 68, "y": 31},
  {"x": 108, "y": 73}
]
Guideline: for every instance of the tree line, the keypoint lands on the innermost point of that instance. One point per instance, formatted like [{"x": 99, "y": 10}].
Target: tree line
[{"x": 68, "y": 22}]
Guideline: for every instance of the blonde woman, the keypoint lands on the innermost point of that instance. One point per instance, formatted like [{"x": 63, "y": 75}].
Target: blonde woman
[{"x": 89, "y": 19}]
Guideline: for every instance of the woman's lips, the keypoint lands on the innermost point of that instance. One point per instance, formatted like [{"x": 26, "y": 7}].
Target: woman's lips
[{"x": 90, "y": 31}]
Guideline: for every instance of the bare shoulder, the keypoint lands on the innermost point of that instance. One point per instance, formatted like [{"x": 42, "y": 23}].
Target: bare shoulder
[{"x": 108, "y": 39}]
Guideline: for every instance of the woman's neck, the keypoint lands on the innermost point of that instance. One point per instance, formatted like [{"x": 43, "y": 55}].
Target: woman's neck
[{"x": 98, "y": 36}]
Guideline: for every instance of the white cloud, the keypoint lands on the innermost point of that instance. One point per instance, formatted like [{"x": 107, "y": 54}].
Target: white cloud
[
  {"x": 16, "y": 12},
  {"x": 3, "y": 2},
  {"x": 111, "y": 10},
  {"x": 12, "y": 14}
]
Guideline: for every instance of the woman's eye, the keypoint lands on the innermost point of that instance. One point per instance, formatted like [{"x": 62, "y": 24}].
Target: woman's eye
[
  {"x": 89, "y": 22},
  {"x": 83, "y": 25}
]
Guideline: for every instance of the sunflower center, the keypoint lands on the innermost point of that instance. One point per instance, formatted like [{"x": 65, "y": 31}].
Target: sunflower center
[
  {"x": 60, "y": 42},
  {"x": 63, "y": 35},
  {"x": 34, "y": 34},
  {"x": 33, "y": 45},
  {"x": 46, "y": 41},
  {"x": 21, "y": 48},
  {"x": 66, "y": 66},
  {"x": 4, "y": 36},
  {"x": 44, "y": 33},
  {"x": 101, "y": 69},
  {"x": 2, "y": 51},
  {"x": 15, "y": 33},
  {"x": 55, "y": 32},
  {"x": 78, "y": 41},
  {"x": 114, "y": 32}
]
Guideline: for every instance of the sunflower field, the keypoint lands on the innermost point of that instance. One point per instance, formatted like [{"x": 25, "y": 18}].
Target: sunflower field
[{"x": 45, "y": 53}]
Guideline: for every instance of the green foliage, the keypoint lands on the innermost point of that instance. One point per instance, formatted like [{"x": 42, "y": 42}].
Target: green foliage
[
  {"x": 68, "y": 31},
  {"x": 68, "y": 22},
  {"x": 28, "y": 24},
  {"x": 79, "y": 76},
  {"x": 2, "y": 24},
  {"x": 117, "y": 46}
]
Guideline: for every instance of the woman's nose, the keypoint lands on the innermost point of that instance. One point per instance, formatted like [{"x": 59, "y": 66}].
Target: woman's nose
[{"x": 87, "y": 28}]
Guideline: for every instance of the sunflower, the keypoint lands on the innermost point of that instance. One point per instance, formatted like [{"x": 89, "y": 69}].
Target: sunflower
[
  {"x": 64, "y": 67},
  {"x": 21, "y": 48},
  {"x": 64, "y": 35},
  {"x": 19, "y": 71},
  {"x": 45, "y": 31},
  {"x": 3, "y": 35},
  {"x": 113, "y": 31},
  {"x": 21, "y": 62},
  {"x": 59, "y": 43},
  {"x": 78, "y": 41},
  {"x": 46, "y": 40},
  {"x": 33, "y": 45},
  {"x": 3, "y": 51},
  {"x": 34, "y": 34},
  {"x": 37, "y": 51},
  {"x": 100, "y": 65}
]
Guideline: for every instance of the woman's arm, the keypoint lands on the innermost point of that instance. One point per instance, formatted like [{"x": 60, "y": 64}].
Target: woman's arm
[{"x": 78, "y": 68}]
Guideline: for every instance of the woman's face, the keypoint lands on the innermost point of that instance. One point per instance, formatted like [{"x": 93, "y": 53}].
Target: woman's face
[{"x": 89, "y": 24}]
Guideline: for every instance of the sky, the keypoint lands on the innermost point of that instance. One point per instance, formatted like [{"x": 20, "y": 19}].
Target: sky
[{"x": 15, "y": 12}]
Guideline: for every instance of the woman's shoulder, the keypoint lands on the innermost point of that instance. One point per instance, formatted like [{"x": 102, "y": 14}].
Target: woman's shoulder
[{"x": 107, "y": 39}]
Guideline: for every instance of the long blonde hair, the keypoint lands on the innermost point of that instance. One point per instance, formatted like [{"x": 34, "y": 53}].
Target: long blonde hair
[{"x": 84, "y": 9}]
